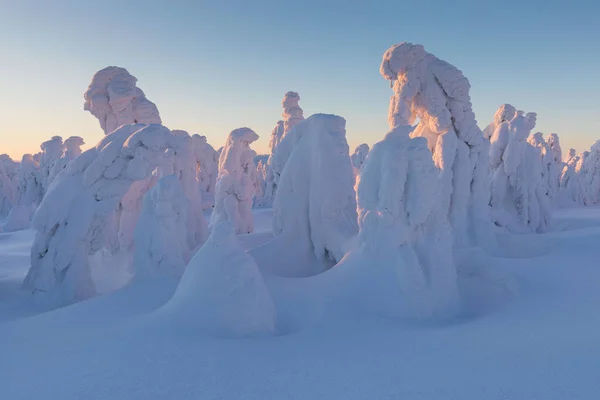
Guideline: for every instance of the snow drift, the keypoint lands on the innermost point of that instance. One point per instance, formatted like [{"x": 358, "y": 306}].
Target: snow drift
[{"x": 222, "y": 291}]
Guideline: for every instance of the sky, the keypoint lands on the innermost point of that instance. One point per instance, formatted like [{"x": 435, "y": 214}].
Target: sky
[{"x": 213, "y": 66}]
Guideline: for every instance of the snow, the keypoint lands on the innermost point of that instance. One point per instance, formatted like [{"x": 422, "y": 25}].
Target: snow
[
  {"x": 236, "y": 183},
  {"x": 115, "y": 100},
  {"x": 72, "y": 149},
  {"x": 207, "y": 169},
  {"x": 315, "y": 206},
  {"x": 531, "y": 333},
  {"x": 52, "y": 151},
  {"x": 437, "y": 94},
  {"x": 359, "y": 156}
]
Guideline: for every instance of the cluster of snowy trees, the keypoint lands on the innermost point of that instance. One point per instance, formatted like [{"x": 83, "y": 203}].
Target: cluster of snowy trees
[{"x": 435, "y": 183}]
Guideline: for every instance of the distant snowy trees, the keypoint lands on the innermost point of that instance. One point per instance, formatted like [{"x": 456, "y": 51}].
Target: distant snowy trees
[
  {"x": 115, "y": 100},
  {"x": 8, "y": 184},
  {"x": 72, "y": 218},
  {"x": 52, "y": 151},
  {"x": 71, "y": 150},
  {"x": 315, "y": 206},
  {"x": 437, "y": 94},
  {"x": 235, "y": 186}
]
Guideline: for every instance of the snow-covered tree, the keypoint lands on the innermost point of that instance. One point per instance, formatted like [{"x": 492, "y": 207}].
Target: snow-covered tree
[
  {"x": 161, "y": 234},
  {"x": 72, "y": 149},
  {"x": 236, "y": 183},
  {"x": 7, "y": 192},
  {"x": 315, "y": 204},
  {"x": 556, "y": 166},
  {"x": 52, "y": 151},
  {"x": 437, "y": 94},
  {"x": 292, "y": 115},
  {"x": 207, "y": 169},
  {"x": 403, "y": 225},
  {"x": 516, "y": 184},
  {"x": 222, "y": 291},
  {"x": 549, "y": 179},
  {"x": 11, "y": 169},
  {"x": 505, "y": 113},
  {"x": 115, "y": 100},
  {"x": 28, "y": 196},
  {"x": 359, "y": 156},
  {"x": 571, "y": 192},
  {"x": 71, "y": 220},
  {"x": 588, "y": 168}
]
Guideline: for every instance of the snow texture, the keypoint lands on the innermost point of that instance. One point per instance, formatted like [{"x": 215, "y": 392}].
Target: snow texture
[
  {"x": 437, "y": 94},
  {"x": 402, "y": 224},
  {"x": 115, "y": 100},
  {"x": 359, "y": 156},
  {"x": 161, "y": 234},
  {"x": 207, "y": 170},
  {"x": 315, "y": 204},
  {"x": 222, "y": 292},
  {"x": 236, "y": 183},
  {"x": 70, "y": 221}
]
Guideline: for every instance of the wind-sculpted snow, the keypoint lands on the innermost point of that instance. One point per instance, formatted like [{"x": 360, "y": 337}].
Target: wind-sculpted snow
[
  {"x": 222, "y": 291},
  {"x": 315, "y": 204},
  {"x": 161, "y": 234},
  {"x": 292, "y": 116},
  {"x": 236, "y": 183},
  {"x": 437, "y": 94},
  {"x": 72, "y": 149},
  {"x": 207, "y": 169},
  {"x": 402, "y": 224},
  {"x": 519, "y": 197},
  {"x": 52, "y": 151},
  {"x": 359, "y": 156},
  {"x": 115, "y": 100},
  {"x": 70, "y": 222}
]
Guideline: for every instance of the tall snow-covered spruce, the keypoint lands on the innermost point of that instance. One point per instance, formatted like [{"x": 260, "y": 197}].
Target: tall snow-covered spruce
[
  {"x": 235, "y": 186},
  {"x": 71, "y": 220},
  {"x": 437, "y": 94},
  {"x": 207, "y": 169},
  {"x": 292, "y": 115},
  {"x": 315, "y": 205}
]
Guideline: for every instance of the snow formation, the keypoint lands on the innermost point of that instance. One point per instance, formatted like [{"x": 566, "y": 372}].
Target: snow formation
[
  {"x": 115, "y": 100},
  {"x": 437, "y": 94},
  {"x": 52, "y": 151},
  {"x": 8, "y": 191},
  {"x": 402, "y": 224},
  {"x": 505, "y": 113},
  {"x": 29, "y": 195},
  {"x": 315, "y": 204},
  {"x": 207, "y": 169},
  {"x": 588, "y": 168},
  {"x": 222, "y": 291},
  {"x": 161, "y": 234},
  {"x": 72, "y": 149},
  {"x": 70, "y": 222},
  {"x": 236, "y": 183},
  {"x": 359, "y": 156}
]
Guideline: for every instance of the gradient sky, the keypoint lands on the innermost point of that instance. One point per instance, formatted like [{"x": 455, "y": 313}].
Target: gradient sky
[{"x": 212, "y": 66}]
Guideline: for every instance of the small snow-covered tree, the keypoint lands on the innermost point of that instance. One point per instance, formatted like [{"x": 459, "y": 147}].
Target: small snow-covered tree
[
  {"x": 11, "y": 169},
  {"x": 505, "y": 113},
  {"x": 437, "y": 94},
  {"x": 207, "y": 169},
  {"x": 28, "y": 196},
  {"x": 547, "y": 160},
  {"x": 403, "y": 225},
  {"x": 556, "y": 166},
  {"x": 588, "y": 168},
  {"x": 161, "y": 234},
  {"x": 235, "y": 183},
  {"x": 72, "y": 149},
  {"x": 71, "y": 220},
  {"x": 115, "y": 100},
  {"x": 222, "y": 291},
  {"x": 292, "y": 115},
  {"x": 571, "y": 192},
  {"x": 359, "y": 156},
  {"x": 315, "y": 204},
  {"x": 7, "y": 193},
  {"x": 52, "y": 151}
]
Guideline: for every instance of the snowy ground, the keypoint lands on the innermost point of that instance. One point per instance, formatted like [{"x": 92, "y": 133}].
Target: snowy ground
[{"x": 531, "y": 331}]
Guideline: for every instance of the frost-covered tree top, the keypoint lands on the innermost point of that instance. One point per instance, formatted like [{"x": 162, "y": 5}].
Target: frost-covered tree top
[
  {"x": 359, "y": 155},
  {"x": 292, "y": 113},
  {"x": 73, "y": 146},
  {"x": 554, "y": 143},
  {"x": 505, "y": 113},
  {"x": 436, "y": 94},
  {"x": 276, "y": 136},
  {"x": 238, "y": 141},
  {"x": 115, "y": 100}
]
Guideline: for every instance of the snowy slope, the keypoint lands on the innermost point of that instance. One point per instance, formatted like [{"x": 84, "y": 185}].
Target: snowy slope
[{"x": 530, "y": 331}]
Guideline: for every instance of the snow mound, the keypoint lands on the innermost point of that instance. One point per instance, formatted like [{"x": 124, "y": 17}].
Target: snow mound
[
  {"x": 115, "y": 100},
  {"x": 222, "y": 291}
]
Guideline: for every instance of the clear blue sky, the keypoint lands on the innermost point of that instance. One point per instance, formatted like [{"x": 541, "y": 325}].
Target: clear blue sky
[{"x": 212, "y": 66}]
